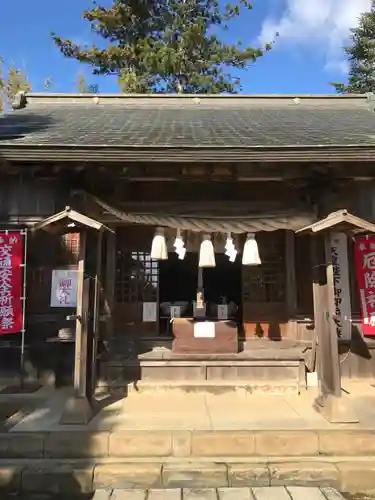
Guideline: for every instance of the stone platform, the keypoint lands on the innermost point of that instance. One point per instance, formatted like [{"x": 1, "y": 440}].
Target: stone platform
[{"x": 273, "y": 368}]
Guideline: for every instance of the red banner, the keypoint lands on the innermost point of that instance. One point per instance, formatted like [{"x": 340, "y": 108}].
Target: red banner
[
  {"x": 364, "y": 253},
  {"x": 11, "y": 254}
]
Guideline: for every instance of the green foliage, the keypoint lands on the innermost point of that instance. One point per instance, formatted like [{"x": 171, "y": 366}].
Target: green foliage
[
  {"x": 165, "y": 45},
  {"x": 16, "y": 81},
  {"x": 10, "y": 84},
  {"x": 361, "y": 55}
]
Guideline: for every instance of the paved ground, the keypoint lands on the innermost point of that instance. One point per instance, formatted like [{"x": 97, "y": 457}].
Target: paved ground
[
  {"x": 190, "y": 411},
  {"x": 276, "y": 493}
]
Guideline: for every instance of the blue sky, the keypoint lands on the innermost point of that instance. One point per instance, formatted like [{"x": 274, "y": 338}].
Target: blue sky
[{"x": 306, "y": 57}]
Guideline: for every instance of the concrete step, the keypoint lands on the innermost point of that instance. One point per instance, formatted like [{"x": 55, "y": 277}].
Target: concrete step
[
  {"x": 355, "y": 475},
  {"x": 186, "y": 444},
  {"x": 216, "y": 386}
]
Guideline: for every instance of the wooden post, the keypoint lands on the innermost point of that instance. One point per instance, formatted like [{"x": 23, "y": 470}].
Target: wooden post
[
  {"x": 78, "y": 409},
  {"x": 291, "y": 288},
  {"x": 109, "y": 297},
  {"x": 330, "y": 402},
  {"x": 96, "y": 323}
]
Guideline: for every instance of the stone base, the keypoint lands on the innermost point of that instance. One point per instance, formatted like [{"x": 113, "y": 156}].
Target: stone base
[
  {"x": 337, "y": 410},
  {"x": 78, "y": 411}
]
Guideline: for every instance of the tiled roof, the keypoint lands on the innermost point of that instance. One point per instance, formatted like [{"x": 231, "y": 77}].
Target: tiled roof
[{"x": 184, "y": 121}]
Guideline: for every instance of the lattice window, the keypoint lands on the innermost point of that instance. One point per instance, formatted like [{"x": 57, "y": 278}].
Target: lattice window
[
  {"x": 69, "y": 249},
  {"x": 137, "y": 277},
  {"x": 267, "y": 282}
]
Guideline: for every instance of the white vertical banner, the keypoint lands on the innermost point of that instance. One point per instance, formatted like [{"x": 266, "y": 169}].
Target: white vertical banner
[{"x": 342, "y": 314}]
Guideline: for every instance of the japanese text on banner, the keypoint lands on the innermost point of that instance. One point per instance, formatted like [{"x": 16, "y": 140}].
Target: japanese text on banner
[
  {"x": 341, "y": 286},
  {"x": 11, "y": 252},
  {"x": 365, "y": 268}
]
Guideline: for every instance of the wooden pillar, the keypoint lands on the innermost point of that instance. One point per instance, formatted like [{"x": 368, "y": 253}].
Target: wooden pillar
[
  {"x": 291, "y": 285},
  {"x": 96, "y": 310},
  {"x": 110, "y": 273},
  {"x": 78, "y": 409},
  {"x": 330, "y": 401}
]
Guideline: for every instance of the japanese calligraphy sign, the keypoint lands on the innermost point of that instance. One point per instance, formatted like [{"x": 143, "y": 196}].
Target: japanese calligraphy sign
[
  {"x": 341, "y": 286},
  {"x": 11, "y": 274},
  {"x": 365, "y": 268},
  {"x": 64, "y": 288}
]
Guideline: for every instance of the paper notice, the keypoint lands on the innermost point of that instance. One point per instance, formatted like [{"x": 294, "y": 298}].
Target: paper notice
[
  {"x": 204, "y": 330},
  {"x": 222, "y": 311},
  {"x": 149, "y": 312},
  {"x": 175, "y": 312}
]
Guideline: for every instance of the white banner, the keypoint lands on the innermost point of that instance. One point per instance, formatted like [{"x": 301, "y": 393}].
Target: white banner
[
  {"x": 342, "y": 307},
  {"x": 64, "y": 288}
]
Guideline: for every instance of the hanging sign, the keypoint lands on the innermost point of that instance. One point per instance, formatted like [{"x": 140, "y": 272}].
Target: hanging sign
[
  {"x": 175, "y": 312},
  {"x": 341, "y": 286},
  {"x": 149, "y": 312},
  {"x": 365, "y": 268},
  {"x": 222, "y": 312},
  {"x": 64, "y": 288},
  {"x": 11, "y": 255}
]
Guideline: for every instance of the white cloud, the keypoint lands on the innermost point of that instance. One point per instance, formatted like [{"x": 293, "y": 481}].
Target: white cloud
[{"x": 318, "y": 24}]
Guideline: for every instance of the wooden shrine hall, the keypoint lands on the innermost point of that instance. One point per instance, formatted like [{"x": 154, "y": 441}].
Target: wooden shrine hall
[{"x": 194, "y": 230}]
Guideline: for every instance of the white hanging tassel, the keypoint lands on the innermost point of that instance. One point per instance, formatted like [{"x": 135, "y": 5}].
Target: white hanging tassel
[
  {"x": 207, "y": 253},
  {"x": 251, "y": 252},
  {"x": 179, "y": 245},
  {"x": 230, "y": 249},
  {"x": 159, "y": 249}
]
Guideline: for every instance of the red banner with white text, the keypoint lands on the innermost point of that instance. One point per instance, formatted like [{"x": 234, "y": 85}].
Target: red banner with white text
[
  {"x": 11, "y": 275},
  {"x": 364, "y": 253}
]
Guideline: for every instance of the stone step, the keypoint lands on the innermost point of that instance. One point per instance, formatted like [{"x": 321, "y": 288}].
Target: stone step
[
  {"x": 216, "y": 386},
  {"x": 269, "y": 493},
  {"x": 82, "y": 477},
  {"x": 187, "y": 444}
]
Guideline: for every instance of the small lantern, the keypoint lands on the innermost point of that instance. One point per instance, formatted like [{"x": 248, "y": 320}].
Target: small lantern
[
  {"x": 207, "y": 253},
  {"x": 251, "y": 252},
  {"x": 159, "y": 249}
]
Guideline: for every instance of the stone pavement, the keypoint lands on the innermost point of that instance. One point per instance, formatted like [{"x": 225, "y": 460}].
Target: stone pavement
[
  {"x": 275, "y": 493},
  {"x": 195, "y": 411}
]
